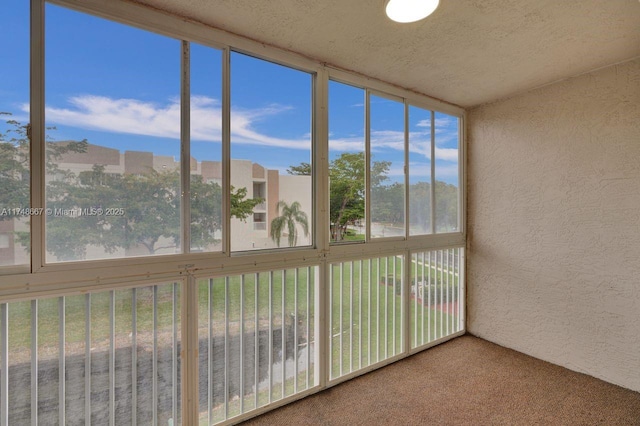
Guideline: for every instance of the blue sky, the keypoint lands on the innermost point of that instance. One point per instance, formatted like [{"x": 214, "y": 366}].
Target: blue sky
[{"x": 118, "y": 86}]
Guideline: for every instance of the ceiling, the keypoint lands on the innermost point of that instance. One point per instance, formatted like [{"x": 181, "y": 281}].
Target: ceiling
[{"x": 469, "y": 52}]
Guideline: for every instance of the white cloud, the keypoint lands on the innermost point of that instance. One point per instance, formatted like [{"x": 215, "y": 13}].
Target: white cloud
[
  {"x": 132, "y": 116},
  {"x": 137, "y": 117}
]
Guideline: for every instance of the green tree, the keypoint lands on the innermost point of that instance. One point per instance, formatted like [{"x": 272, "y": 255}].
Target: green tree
[
  {"x": 291, "y": 216},
  {"x": 150, "y": 201},
  {"x": 446, "y": 196},
  {"x": 151, "y": 206},
  {"x": 346, "y": 198}
]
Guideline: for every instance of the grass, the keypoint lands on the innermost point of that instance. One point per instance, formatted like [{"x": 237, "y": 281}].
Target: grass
[{"x": 48, "y": 312}]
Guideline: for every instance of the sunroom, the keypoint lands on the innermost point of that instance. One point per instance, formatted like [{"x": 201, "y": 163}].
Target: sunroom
[{"x": 199, "y": 224}]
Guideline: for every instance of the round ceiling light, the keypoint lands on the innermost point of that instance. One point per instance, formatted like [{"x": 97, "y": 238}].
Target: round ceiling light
[{"x": 405, "y": 11}]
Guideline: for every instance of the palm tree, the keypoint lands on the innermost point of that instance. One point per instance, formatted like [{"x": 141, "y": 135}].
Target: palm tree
[{"x": 291, "y": 215}]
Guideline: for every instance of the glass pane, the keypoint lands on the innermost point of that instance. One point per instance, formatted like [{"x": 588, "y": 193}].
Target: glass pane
[
  {"x": 387, "y": 168},
  {"x": 14, "y": 145},
  {"x": 447, "y": 171},
  {"x": 347, "y": 166},
  {"x": 206, "y": 148},
  {"x": 419, "y": 171},
  {"x": 113, "y": 169},
  {"x": 271, "y": 200}
]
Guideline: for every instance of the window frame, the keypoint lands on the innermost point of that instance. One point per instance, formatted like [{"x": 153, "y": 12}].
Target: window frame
[{"x": 157, "y": 22}]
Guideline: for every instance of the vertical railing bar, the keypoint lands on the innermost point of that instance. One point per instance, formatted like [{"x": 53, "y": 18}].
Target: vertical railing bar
[
  {"x": 242, "y": 279},
  {"x": 87, "y": 359},
  {"x": 424, "y": 288},
  {"x": 270, "y": 337},
  {"x": 457, "y": 261},
  {"x": 360, "y": 316},
  {"x": 393, "y": 300},
  {"x": 283, "y": 339},
  {"x": 450, "y": 288},
  {"x": 386, "y": 307},
  {"x": 226, "y": 347},
  {"x": 441, "y": 267},
  {"x": 210, "y": 352},
  {"x": 295, "y": 330},
  {"x": 34, "y": 362},
  {"x": 430, "y": 313},
  {"x": 462, "y": 312},
  {"x": 405, "y": 307},
  {"x": 112, "y": 358},
  {"x": 308, "y": 325},
  {"x": 460, "y": 289},
  {"x": 174, "y": 375},
  {"x": 454, "y": 254},
  {"x": 256, "y": 336},
  {"x": 61, "y": 360},
  {"x": 370, "y": 268},
  {"x": 331, "y": 321},
  {"x": 341, "y": 307},
  {"x": 134, "y": 356},
  {"x": 351, "y": 318},
  {"x": 154, "y": 381},
  {"x": 448, "y": 299},
  {"x": 4, "y": 368},
  {"x": 416, "y": 293},
  {"x": 454, "y": 307},
  {"x": 378, "y": 307}
]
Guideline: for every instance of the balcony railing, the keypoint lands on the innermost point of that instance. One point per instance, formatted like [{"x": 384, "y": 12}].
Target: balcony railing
[{"x": 115, "y": 356}]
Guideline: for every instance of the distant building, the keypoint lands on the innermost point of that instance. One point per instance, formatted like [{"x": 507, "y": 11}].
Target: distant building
[{"x": 254, "y": 233}]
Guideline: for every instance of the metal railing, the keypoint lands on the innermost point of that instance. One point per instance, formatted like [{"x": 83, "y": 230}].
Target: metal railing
[
  {"x": 102, "y": 358},
  {"x": 256, "y": 340},
  {"x": 114, "y": 357},
  {"x": 366, "y": 312},
  {"x": 436, "y": 305}
]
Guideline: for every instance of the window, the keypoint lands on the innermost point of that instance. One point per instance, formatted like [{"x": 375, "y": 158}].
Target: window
[
  {"x": 447, "y": 172},
  {"x": 419, "y": 171},
  {"x": 347, "y": 162},
  {"x": 14, "y": 143},
  {"x": 206, "y": 148},
  {"x": 386, "y": 169},
  {"x": 113, "y": 168},
  {"x": 270, "y": 145}
]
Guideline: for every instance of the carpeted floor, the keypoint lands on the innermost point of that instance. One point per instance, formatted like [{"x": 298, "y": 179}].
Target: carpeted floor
[{"x": 466, "y": 381}]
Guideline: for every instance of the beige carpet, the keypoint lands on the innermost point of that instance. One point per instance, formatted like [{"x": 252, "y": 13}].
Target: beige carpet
[{"x": 466, "y": 381}]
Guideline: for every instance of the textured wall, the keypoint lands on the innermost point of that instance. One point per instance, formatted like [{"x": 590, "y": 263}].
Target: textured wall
[{"x": 554, "y": 223}]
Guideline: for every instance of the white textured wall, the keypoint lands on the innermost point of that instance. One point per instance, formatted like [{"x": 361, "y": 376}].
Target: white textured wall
[{"x": 554, "y": 223}]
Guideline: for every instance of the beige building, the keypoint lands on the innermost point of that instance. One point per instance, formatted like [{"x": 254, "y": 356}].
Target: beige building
[{"x": 249, "y": 234}]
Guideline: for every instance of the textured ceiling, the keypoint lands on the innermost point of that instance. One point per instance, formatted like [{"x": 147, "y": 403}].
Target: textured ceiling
[{"x": 467, "y": 53}]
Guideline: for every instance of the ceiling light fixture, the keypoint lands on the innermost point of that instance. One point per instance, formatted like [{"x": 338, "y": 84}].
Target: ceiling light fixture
[{"x": 405, "y": 11}]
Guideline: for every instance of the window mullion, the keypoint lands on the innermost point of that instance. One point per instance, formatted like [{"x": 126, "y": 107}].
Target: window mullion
[
  {"x": 185, "y": 147},
  {"x": 320, "y": 160},
  {"x": 226, "y": 151},
  {"x": 367, "y": 164},
  {"x": 36, "y": 134}
]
